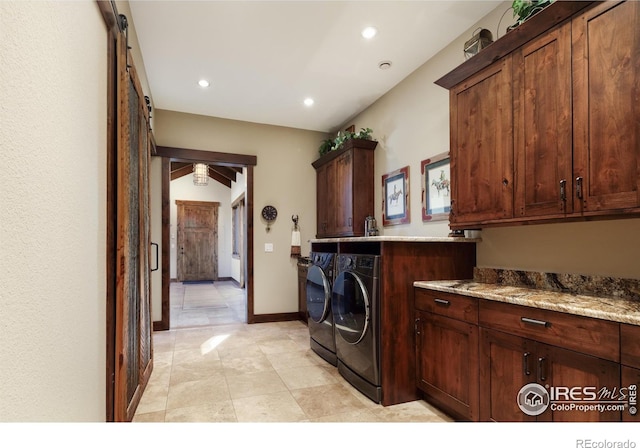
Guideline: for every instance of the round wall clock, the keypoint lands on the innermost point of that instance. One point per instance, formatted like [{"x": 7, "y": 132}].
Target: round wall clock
[{"x": 269, "y": 213}]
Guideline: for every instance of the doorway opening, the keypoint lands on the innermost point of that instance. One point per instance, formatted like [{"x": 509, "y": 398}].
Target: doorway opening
[{"x": 215, "y": 159}]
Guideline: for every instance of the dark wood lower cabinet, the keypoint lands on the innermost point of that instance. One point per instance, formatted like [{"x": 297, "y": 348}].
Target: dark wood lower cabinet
[
  {"x": 447, "y": 363},
  {"x": 574, "y": 381},
  {"x": 477, "y": 362}
]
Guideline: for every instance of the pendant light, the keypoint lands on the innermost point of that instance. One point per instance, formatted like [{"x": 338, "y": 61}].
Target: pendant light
[{"x": 200, "y": 174}]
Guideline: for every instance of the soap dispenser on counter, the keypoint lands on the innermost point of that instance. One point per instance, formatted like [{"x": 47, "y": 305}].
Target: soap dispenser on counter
[{"x": 370, "y": 226}]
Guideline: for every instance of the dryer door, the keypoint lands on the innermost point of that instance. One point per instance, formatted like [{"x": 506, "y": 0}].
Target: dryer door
[
  {"x": 351, "y": 307},
  {"x": 318, "y": 294}
]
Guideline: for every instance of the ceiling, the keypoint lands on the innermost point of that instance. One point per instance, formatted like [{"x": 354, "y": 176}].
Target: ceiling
[{"x": 263, "y": 58}]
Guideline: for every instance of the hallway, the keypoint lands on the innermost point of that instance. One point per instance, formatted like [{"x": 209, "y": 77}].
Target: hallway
[{"x": 210, "y": 368}]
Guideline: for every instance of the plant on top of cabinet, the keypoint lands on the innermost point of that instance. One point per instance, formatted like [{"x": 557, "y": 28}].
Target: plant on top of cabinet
[
  {"x": 333, "y": 144},
  {"x": 523, "y": 9}
]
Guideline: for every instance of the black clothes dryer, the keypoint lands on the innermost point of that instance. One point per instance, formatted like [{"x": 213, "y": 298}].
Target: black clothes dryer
[
  {"x": 356, "y": 314},
  {"x": 320, "y": 276}
]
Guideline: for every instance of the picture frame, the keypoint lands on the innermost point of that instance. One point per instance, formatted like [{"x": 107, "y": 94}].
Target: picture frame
[
  {"x": 395, "y": 197},
  {"x": 436, "y": 187}
]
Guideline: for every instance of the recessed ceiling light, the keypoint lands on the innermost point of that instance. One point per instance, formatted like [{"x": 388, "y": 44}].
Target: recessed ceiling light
[
  {"x": 308, "y": 102},
  {"x": 384, "y": 65},
  {"x": 369, "y": 32},
  {"x": 203, "y": 83}
]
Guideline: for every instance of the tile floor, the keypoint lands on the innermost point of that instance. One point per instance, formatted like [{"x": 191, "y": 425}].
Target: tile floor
[{"x": 213, "y": 367}]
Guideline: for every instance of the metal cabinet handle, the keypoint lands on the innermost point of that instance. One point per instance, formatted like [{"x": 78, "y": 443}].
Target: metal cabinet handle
[
  {"x": 563, "y": 190},
  {"x": 442, "y": 302},
  {"x": 157, "y": 249},
  {"x": 416, "y": 326},
  {"x": 579, "y": 187},
  {"x": 525, "y": 363},
  {"x": 528, "y": 320},
  {"x": 542, "y": 368}
]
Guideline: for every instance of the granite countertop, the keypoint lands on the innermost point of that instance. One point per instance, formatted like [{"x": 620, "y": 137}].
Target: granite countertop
[
  {"x": 408, "y": 239},
  {"x": 623, "y": 307}
]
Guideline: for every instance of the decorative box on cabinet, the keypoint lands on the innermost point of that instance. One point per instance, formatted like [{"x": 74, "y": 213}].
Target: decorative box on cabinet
[
  {"x": 565, "y": 78},
  {"x": 447, "y": 351},
  {"x": 344, "y": 189}
]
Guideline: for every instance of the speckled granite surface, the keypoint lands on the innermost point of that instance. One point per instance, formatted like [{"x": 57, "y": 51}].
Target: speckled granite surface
[{"x": 605, "y": 298}]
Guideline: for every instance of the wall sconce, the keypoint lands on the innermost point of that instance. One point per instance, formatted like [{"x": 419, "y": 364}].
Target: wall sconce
[
  {"x": 480, "y": 39},
  {"x": 200, "y": 174}
]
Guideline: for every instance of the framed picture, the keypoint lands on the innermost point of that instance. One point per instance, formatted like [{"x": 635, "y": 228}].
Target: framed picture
[
  {"x": 395, "y": 197},
  {"x": 436, "y": 187}
]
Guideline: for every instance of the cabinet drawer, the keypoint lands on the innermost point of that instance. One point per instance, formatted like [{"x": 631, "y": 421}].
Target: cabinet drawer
[
  {"x": 630, "y": 345},
  {"x": 583, "y": 334},
  {"x": 450, "y": 305}
]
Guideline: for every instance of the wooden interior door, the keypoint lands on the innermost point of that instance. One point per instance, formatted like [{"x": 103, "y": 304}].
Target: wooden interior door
[
  {"x": 133, "y": 344},
  {"x": 197, "y": 254}
]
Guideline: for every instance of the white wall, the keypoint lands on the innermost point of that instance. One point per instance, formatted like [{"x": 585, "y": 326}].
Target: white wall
[
  {"x": 411, "y": 123},
  {"x": 239, "y": 188},
  {"x": 283, "y": 177},
  {"x": 182, "y": 189},
  {"x": 53, "y": 84},
  {"x": 155, "y": 214}
]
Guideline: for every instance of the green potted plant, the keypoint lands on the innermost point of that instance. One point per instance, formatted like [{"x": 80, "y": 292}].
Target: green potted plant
[
  {"x": 524, "y": 9},
  {"x": 333, "y": 144}
]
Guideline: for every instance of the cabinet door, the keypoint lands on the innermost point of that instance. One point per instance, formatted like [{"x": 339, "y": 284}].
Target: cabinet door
[
  {"x": 447, "y": 363},
  {"x": 325, "y": 182},
  {"x": 506, "y": 365},
  {"x": 543, "y": 125},
  {"x": 482, "y": 146},
  {"x": 606, "y": 106},
  {"x": 344, "y": 194},
  {"x": 566, "y": 370}
]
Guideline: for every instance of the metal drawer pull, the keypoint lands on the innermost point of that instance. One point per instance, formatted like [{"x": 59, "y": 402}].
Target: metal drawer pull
[
  {"x": 442, "y": 302},
  {"x": 542, "y": 370},
  {"x": 528, "y": 320},
  {"x": 525, "y": 361}
]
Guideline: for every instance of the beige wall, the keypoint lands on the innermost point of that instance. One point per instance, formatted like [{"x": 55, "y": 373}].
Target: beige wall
[
  {"x": 53, "y": 226},
  {"x": 411, "y": 123},
  {"x": 283, "y": 178}
]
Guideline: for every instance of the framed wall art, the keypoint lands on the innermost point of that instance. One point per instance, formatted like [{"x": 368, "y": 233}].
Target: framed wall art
[
  {"x": 436, "y": 187},
  {"x": 395, "y": 197}
]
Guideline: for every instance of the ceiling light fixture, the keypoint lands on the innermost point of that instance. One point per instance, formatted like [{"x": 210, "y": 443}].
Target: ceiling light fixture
[
  {"x": 369, "y": 32},
  {"x": 203, "y": 83},
  {"x": 384, "y": 65},
  {"x": 308, "y": 102},
  {"x": 200, "y": 174}
]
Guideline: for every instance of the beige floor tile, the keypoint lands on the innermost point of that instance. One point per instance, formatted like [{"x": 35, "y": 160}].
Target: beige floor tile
[
  {"x": 279, "y": 345},
  {"x": 239, "y": 366},
  {"x": 323, "y": 401},
  {"x": 195, "y": 393},
  {"x": 151, "y": 417},
  {"x": 414, "y": 411},
  {"x": 253, "y": 384},
  {"x": 250, "y": 350},
  {"x": 206, "y": 352},
  {"x": 195, "y": 371},
  {"x": 297, "y": 358},
  {"x": 302, "y": 377},
  {"x": 154, "y": 399},
  {"x": 360, "y": 416},
  {"x": 221, "y": 411},
  {"x": 274, "y": 407}
]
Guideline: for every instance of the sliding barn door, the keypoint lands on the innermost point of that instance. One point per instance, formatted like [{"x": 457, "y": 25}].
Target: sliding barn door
[{"x": 133, "y": 314}]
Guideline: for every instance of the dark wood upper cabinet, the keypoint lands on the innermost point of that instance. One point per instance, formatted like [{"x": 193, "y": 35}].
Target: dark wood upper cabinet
[
  {"x": 344, "y": 189},
  {"x": 481, "y": 126},
  {"x": 606, "y": 103},
  {"x": 549, "y": 128}
]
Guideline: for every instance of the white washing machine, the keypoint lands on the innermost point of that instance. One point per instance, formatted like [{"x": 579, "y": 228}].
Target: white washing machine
[{"x": 320, "y": 276}]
